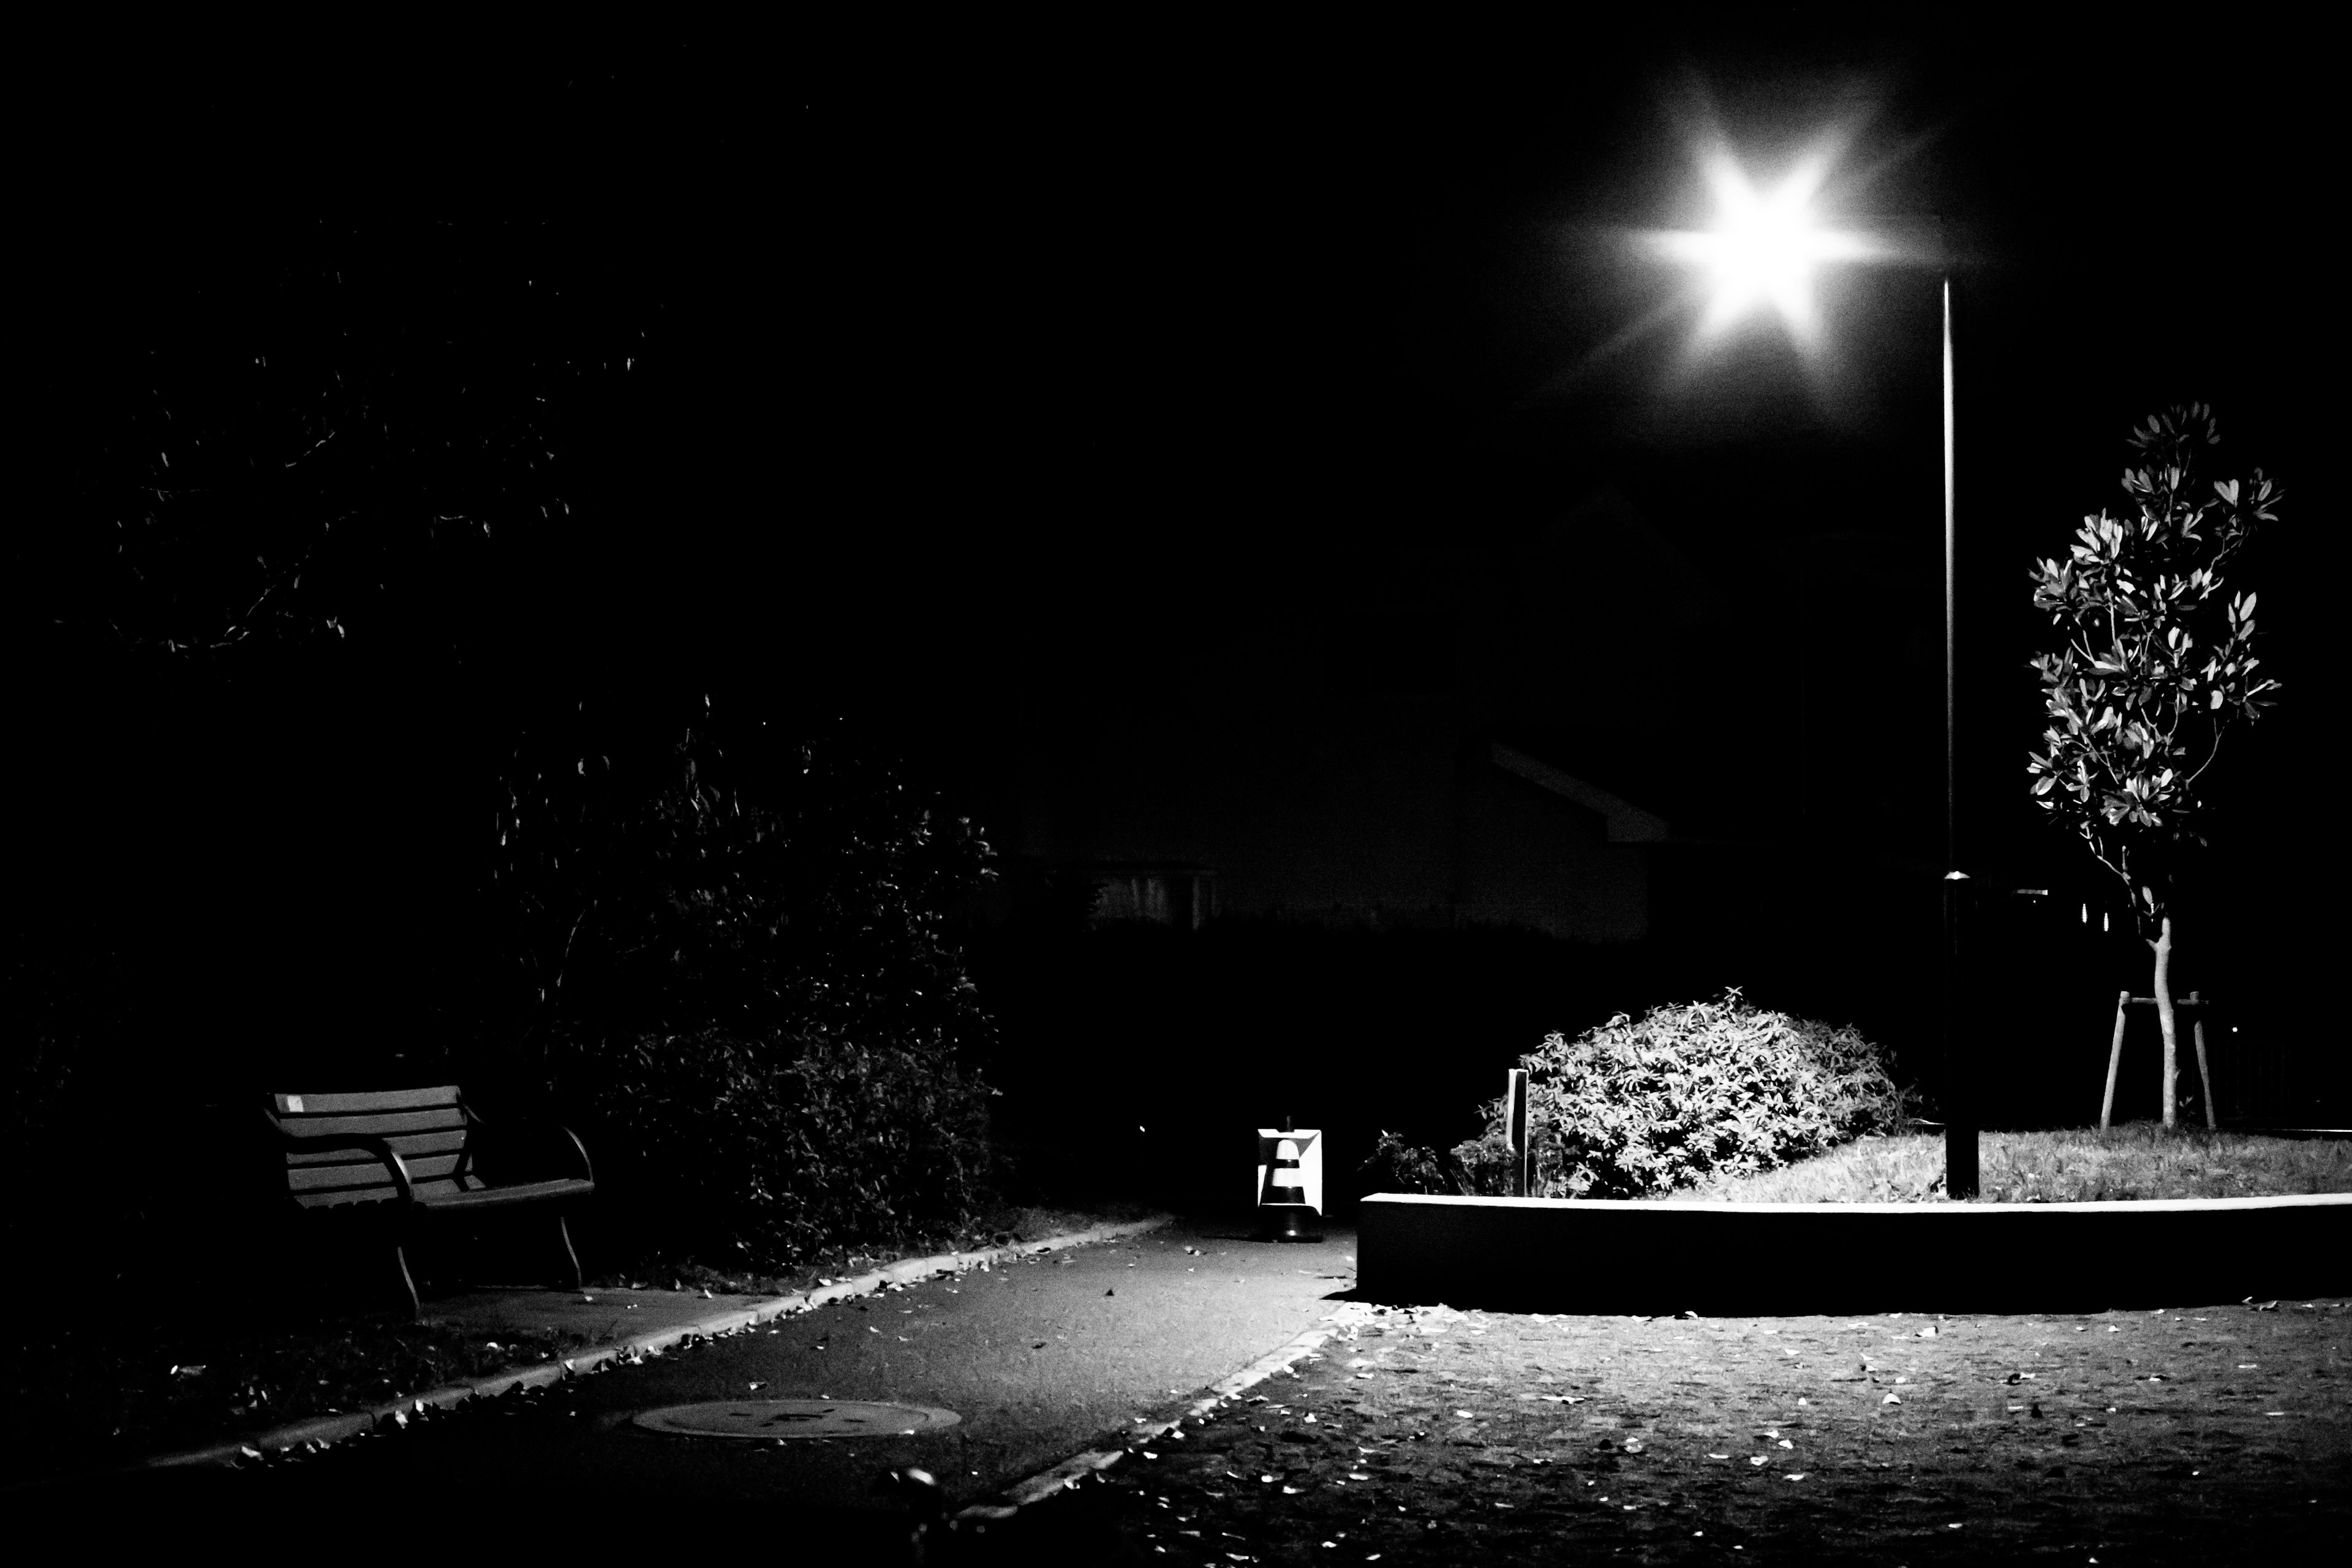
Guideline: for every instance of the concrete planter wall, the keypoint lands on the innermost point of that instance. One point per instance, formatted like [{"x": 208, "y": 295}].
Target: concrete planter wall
[{"x": 1552, "y": 1255}]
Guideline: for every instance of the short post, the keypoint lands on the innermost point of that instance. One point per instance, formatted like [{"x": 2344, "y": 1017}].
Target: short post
[
  {"x": 1514, "y": 1099},
  {"x": 2204, "y": 1073},
  {"x": 2115, "y": 1060}
]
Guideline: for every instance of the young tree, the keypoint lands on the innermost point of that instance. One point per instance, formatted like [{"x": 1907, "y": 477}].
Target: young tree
[{"x": 2156, "y": 667}]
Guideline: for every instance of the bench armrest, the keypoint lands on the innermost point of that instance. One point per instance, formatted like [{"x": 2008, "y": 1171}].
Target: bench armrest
[
  {"x": 587, "y": 1172},
  {"x": 562, "y": 1137},
  {"x": 295, "y": 1142}
]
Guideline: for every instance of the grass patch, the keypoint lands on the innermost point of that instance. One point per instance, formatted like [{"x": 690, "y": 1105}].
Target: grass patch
[{"x": 2137, "y": 1161}]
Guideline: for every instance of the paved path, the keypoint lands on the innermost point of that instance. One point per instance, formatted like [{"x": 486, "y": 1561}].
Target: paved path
[{"x": 1039, "y": 1358}]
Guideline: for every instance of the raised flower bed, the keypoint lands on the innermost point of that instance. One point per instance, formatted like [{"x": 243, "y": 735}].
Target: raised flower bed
[{"x": 1556, "y": 1255}]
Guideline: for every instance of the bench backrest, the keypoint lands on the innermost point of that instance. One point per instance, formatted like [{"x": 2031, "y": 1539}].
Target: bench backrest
[{"x": 425, "y": 1126}]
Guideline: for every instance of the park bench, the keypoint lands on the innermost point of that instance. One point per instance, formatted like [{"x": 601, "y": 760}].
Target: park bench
[{"x": 412, "y": 1160}]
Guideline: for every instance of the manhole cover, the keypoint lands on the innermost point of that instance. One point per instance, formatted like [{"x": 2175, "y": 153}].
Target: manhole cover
[{"x": 795, "y": 1418}]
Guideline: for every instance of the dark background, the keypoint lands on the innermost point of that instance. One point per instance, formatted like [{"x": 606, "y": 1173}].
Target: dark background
[{"x": 871, "y": 362}]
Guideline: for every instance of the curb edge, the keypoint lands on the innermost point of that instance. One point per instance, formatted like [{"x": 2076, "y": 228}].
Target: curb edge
[{"x": 1055, "y": 1480}]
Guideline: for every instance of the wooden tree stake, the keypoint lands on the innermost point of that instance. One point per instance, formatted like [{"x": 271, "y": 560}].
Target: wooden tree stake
[
  {"x": 2205, "y": 1073},
  {"x": 1516, "y": 1098},
  {"x": 2115, "y": 1060},
  {"x": 2195, "y": 1004}
]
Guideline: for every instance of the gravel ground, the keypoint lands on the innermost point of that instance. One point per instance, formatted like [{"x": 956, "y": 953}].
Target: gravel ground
[{"x": 1421, "y": 1436}]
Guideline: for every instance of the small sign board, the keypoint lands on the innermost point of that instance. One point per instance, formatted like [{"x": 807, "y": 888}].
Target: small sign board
[{"x": 1291, "y": 1159}]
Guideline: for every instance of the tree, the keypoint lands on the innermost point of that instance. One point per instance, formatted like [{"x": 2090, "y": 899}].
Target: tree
[
  {"x": 2157, "y": 666},
  {"x": 267, "y": 449},
  {"x": 663, "y": 875},
  {"x": 300, "y": 497}
]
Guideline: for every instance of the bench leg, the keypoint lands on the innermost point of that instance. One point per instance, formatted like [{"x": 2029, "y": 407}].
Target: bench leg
[
  {"x": 407, "y": 1284},
  {"x": 563, "y": 1236}
]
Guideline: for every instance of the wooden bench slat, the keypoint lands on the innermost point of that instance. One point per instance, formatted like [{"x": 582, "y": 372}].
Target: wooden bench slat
[
  {"x": 378, "y": 1126},
  {"x": 445, "y": 1194},
  {"x": 364, "y": 1104},
  {"x": 406, "y": 1145},
  {"x": 369, "y": 1195},
  {"x": 310, "y": 1178},
  {"x": 409, "y": 1146},
  {"x": 336, "y": 1200},
  {"x": 449, "y": 1200}
]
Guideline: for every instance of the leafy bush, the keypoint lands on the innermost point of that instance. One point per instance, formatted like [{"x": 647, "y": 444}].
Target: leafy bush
[
  {"x": 658, "y": 880},
  {"x": 1690, "y": 1093},
  {"x": 734, "y": 948},
  {"x": 1396, "y": 1168},
  {"x": 762, "y": 1153}
]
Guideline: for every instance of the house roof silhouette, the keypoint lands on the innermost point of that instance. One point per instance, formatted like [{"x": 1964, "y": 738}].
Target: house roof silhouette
[{"x": 1390, "y": 750}]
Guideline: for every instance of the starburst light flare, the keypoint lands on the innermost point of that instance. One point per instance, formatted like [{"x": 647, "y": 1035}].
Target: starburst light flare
[{"x": 1764, "y": 247}]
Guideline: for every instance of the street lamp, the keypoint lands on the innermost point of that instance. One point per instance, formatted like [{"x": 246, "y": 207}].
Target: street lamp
[
  {"x": 1761, "y": 252},
  {"x": 1763, "y": 247}
]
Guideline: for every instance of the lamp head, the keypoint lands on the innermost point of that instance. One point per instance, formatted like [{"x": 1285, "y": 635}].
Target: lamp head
[{"x": 1763, "y": 246}]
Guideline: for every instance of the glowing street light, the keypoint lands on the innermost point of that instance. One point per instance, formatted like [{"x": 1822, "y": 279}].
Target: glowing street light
[
  {"x": 1762, "y": 252},
  {"x": 1764, "y": 247}
]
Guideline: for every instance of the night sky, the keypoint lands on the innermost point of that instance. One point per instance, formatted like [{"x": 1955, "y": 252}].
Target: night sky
[{"x": 883, "y": 372}]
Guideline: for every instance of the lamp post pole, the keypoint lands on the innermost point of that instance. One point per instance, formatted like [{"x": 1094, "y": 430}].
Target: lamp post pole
[
  {"x": 1961, "y": 1176},
  {"x": 1761, "y": 252}
]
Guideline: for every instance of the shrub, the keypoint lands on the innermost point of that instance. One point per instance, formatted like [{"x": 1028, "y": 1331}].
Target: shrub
[
  {"x": 1689, "y": 1093},
  {"x": 737, "y": 966},
  {"x": 733, "y": 878},
  {"x": 1396, "y": 1168},
  {"x": 764, "y": 1152}
]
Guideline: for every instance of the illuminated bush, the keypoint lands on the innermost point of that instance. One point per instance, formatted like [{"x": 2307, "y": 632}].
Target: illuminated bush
[{"x": 1632, "y": 1109}]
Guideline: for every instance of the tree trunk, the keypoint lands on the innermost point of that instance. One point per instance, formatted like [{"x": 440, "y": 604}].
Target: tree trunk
[{"x": 2163, "y": 945}]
